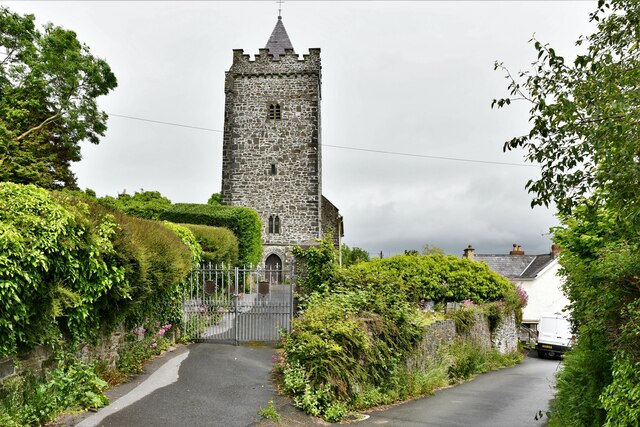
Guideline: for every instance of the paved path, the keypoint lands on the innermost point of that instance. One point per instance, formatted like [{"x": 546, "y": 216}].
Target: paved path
[
  {"x": 213, "y": 385},
  {"x": 226, "y": 385},
  {"x": 509, "y": 397}
]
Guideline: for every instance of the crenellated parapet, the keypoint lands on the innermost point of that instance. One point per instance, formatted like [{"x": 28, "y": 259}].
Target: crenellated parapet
[{"x": 265, "y": 63}]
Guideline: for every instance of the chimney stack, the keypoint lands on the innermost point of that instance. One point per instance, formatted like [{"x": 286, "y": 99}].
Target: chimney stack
[
  {"x": 517, "y": 250},
  {"x": 469, "y": 252},
  {"x": 555, "y": 250}
]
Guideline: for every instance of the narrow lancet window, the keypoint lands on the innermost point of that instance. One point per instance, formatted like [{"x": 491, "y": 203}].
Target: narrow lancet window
[
  {"x": 274, "y": 224},
  {"x": 275, "y": 112}
]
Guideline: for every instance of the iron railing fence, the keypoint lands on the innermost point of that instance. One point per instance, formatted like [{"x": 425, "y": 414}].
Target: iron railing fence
[{"x": 237, "y": 304}]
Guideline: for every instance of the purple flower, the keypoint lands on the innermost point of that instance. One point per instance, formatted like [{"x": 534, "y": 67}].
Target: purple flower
[{"x": 522, "y": 296}]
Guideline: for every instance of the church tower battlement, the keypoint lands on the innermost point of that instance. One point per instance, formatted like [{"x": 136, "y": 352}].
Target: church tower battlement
[
  {"x": 272, "y": 145},
  {"x": 266, "y": 63}
]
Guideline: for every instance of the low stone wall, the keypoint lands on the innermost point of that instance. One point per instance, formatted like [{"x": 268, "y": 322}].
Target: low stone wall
[
  {"x": 505, "y": 336},
  {"x": 105, "y": 349},
  {"x": 439, "y": 334}
]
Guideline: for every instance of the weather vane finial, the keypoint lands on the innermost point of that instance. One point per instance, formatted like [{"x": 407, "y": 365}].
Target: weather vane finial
[{"x": 279, "y": 8}]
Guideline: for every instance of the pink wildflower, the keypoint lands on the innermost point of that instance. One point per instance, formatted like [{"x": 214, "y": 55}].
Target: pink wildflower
[
  {"x": 139, "y": 331},
  {"x": 154, "y": 345}
]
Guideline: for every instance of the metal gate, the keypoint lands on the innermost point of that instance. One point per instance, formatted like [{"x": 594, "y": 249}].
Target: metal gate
[{"x": 233, "y": 304}]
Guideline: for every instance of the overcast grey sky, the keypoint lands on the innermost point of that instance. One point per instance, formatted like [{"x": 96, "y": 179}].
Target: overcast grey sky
[{"x": 410, "y": 77}]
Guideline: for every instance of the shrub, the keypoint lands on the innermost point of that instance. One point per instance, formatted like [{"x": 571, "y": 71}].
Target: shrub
[
  {"x": 35, "y": 399},
  {"x": 243, "y": 222},
  {"x": 350, "y": 346},
  {"x": 586, "y": 372},
  {"x": 219, "y": 244},
  {"x": 189, "y": 239},
  {"x": 70, "y": 267},
  {"x": 465, "y": 318},
  {"x": 467, "y": 358},
  {"x": 621, "y": 398},
  {"x": 142, "y": 343},
  {"x": 156, "y": 261},
  {"x": 55, "y": 264},
  {"x": 436, "y": 277},
  {"x": 143, "y": 204},
  {"x": 320, "y": 266},
  {"x": 343, "y": 342}
]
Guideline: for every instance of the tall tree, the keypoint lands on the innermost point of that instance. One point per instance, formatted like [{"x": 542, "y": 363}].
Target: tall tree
[
  {"x": 585, "y": 135},
  {"x": 353, "y": 256},
  {"x": 49, "y": 83}
]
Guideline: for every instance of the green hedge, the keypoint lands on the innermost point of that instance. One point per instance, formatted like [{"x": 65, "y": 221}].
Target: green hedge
[
  {"x": 243, "y": 222},
  {"x": 156, "y": 260},
  {"x": 219, "y": 244},
  {"x": 70, "y": 267},
  {"x": 437, "y": 277}
]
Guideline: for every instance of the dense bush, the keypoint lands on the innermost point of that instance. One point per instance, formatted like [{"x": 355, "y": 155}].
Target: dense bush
[
  {"x": 70, "y": 267},
  {"x": 143, "y": 204},
  {"x": 359, "y": 326},
  {"x": 346, "y": 341},
  {"x": 33, "y": 399},
  {"x": 243, "y": 222},
  {"x": 155, "y": 262},
  {"x": 351, "y": 256},
  {"x": 602, "y": 264},
  {"x": 433, "y": 277},
  {"x": 318, "y": 267},
  {"x": 189, "y": 239},
  {"x": 219, "y": 245},
  {"x": 56, "y": 262},
  {"x": 584, "y": 115}
]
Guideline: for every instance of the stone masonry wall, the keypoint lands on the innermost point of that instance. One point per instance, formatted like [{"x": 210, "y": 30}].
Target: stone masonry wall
[
  {"x": 439, "y": 334},
  {"x": 105, "y": 349},
  {"x": 253, "y": 143},
  {"x": 505, "y": 336},
  {"x": 331, "y": 221}
]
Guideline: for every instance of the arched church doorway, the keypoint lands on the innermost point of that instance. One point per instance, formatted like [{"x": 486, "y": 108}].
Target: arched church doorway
[{"x": 273, "y": 269}]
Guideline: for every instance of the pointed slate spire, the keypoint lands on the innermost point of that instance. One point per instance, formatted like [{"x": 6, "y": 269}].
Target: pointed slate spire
[{"x": 279, "y": 40}]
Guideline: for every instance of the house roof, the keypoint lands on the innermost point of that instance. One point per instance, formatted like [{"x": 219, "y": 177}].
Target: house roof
[
  {"x": 279, "y": 40},
  {"x": 516, "y": 266}
]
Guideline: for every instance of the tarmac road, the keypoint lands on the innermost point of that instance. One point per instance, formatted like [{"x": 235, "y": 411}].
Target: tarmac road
[
  {"x": 213, "y": 385},
  {"x": 225, "y": 385},
  {"x": 510, "y": 397}
]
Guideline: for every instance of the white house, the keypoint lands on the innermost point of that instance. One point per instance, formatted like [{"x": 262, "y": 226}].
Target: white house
[{"x": 536, "y": 274}]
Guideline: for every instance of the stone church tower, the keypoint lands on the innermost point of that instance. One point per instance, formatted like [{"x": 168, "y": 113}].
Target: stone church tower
[{"x": 272, "y": 147}]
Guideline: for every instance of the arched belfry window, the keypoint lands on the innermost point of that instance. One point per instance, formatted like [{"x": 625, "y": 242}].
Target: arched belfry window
[
  {"x": 274, "y": 224},
  {"x": 275, "y": 112}
]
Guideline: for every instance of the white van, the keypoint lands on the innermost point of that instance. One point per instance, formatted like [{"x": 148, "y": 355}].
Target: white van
[{"x": 554, "y": 335}]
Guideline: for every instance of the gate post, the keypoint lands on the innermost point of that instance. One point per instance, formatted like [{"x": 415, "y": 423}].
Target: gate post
[
  {"x": 236, "y": 320},
  {"x": 292, "y": 286}
]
